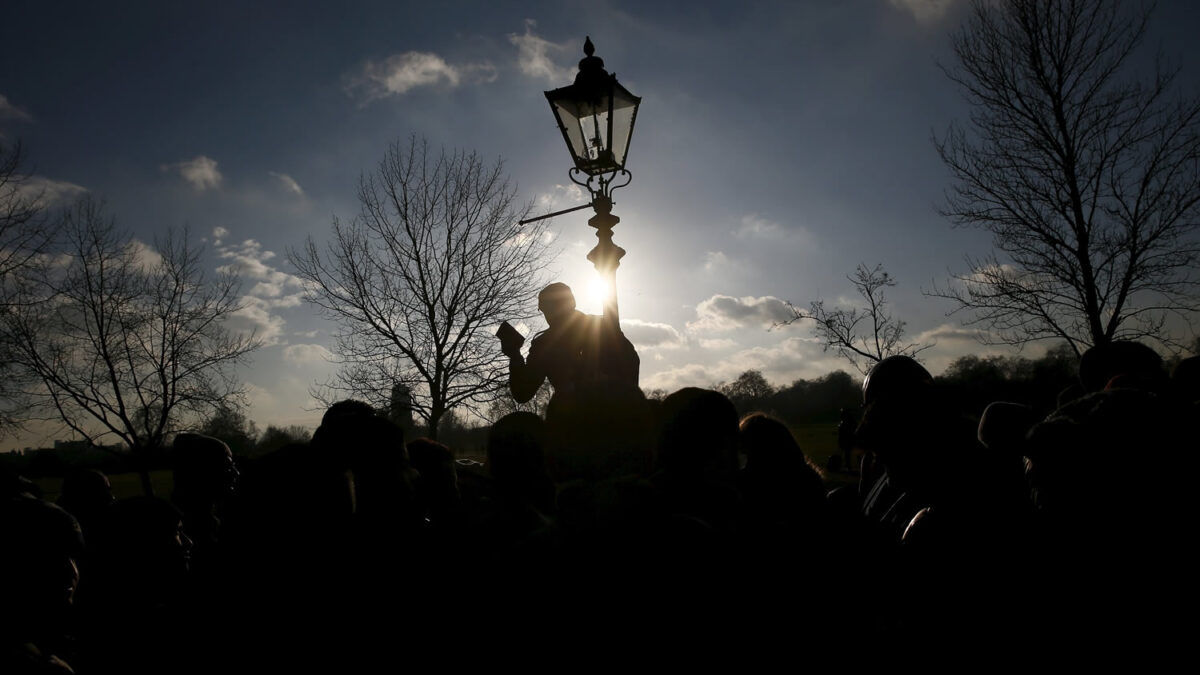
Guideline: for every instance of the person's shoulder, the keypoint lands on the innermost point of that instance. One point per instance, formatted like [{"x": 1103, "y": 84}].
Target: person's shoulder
[{"x": 539, "y": 338}]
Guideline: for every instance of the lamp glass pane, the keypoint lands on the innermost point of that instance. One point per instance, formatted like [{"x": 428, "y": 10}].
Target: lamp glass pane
[
  {"x": 622, "y": 129},
  {"x": 569, "y": 117}
]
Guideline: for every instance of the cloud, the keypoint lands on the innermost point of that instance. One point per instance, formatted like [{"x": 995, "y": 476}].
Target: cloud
[
  {"x": 716, "y": 343},
  {"x": 716, "y": 260},
  {"x": 783, "y": 363},
  {"x": 559, "y": 197},
  {"x": 201, "y": 172},
  {"x": 754, "y": 225},
  {"x": 249, "y": 261},
  {"x": 725, "y": 313},
  {"x": 400, "y": 73},
  {"x": 952, "y": 342},
  {"x": 289, "y": 184},
  {"x": 690, "y": 375},
  {"x": 926, "y": 12},
  {"x": 12, "y": 112},
  {"x": 219, "y": 233},
  {"x": 273, "y": 288},
  {"x": 45, "y": 192},
  {"x": 255, "y": 317},
  {"x": 533, "y": 57},
  {"x": 292, "y": 300},
  {"x": 948, "y": 333},
  {"x": 145, "y": 255},
  {"x": 649, "y": 335},
  {"x": 306, "y": 353}
]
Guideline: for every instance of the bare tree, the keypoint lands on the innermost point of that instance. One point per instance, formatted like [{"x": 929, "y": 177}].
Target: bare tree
[
  {"x": 1087, "y": 176},
  {"x": 861, "y": 335},
  {"x": 24, "y": 236},
  {"x": 504, "y": 405},
  {"x": 420, "y": 279},
  {"x": 127, "y": 341}
]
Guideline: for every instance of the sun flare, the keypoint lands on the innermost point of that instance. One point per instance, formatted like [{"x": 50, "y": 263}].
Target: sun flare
[{"x": 598, "y": 292}]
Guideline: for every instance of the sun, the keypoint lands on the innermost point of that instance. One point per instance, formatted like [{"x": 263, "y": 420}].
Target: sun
[{"x": 598, "y": 292}]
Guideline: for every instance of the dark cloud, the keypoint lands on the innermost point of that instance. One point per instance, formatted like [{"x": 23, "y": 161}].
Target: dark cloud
[{"x": 725, "y": 312}]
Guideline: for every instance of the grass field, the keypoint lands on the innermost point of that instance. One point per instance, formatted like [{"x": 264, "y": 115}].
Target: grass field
[{"x": 123, "y": 484}]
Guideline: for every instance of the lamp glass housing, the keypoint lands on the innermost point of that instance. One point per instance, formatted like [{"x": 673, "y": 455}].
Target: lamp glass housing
[{"x": 596, "y": 122}]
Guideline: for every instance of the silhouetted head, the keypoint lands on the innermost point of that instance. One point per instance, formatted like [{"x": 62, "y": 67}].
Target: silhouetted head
[
  {"x": 1003, "y": 427},
  {"x": 1137, "y": 366},
  {"x": 431, "y": 459},
  {"x": 770, "y": 446},
  {"x": 204, "y": 467},
  {"x": 148, "y": 532},
  {"x": 516, "y": 455},
  {"x": 1185, "y": 379},
  {"x": 516, "y": 446},
  {"x": 144, "y": 554},
  {"x": 39, "y": 570},
  {"x": 348, "y": 408},
  {"x": 557, "y": 303},
  {"x": 894, "y": 376},
  {"x": 86, "y": 494},
  {"x": 1080, "y": 458},
  {"x": 438, "y": 481},
  {"x": 698, "y": 436}
]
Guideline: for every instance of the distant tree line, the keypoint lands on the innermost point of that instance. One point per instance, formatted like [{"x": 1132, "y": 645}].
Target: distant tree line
[{"x": 969, "y": 384}]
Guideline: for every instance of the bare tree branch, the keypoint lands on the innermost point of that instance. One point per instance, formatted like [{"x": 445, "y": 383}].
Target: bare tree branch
[
  {"x": 125, "y": 341},
  {"x": 433, "y": 262},
  {"x": 861, "y": 335},
  {"x": 25, "y": 236},
  {"x": 1088, "y": 178}
]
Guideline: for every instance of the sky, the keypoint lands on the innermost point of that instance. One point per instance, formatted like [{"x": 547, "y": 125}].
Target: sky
[{"x": 778, "y": 145}]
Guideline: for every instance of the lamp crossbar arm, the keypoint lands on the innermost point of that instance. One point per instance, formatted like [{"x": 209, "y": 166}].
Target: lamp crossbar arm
[{"x": 556, "y": 213}]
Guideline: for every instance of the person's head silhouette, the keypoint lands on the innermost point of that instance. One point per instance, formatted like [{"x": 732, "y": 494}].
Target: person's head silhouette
[{"x": 556, "y": 303}]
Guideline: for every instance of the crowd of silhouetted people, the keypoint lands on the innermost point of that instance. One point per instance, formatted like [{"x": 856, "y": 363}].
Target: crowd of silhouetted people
[{"x": 616, "y": 523}]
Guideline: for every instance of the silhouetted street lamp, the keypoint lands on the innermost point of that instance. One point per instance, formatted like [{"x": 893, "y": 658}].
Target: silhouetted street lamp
[{"x": 596, "y": 116}]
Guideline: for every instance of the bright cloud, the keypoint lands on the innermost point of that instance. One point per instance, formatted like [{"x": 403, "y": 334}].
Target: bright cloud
[
  {"x": 400, "y": 73},
  {"x": 725, "y": 313},
  {"x": 273, "y": 288},
  {"x": 201, "y": 172},
  {"x": 250, "y": 261},
  {"x": 145, "y": 255},
  {"x": 303, "y": 354},
  {"x": 219, "y": 233},
  {"x": 45, "y": 192},
  {"x": 533, "y": 57},
  {"x": 255, "y": 317},
  {"x": 12, "y": 112},
  {"x": 288, "y": 183},
  {"x": 783, "y": 363},
  {"x": 924, "y": 11},
  {"x": 560, "y": 197},
  {"x": 649, "y": 335}
]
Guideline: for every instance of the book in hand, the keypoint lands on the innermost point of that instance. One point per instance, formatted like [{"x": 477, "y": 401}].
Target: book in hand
[{"x": 510, "y": 339}]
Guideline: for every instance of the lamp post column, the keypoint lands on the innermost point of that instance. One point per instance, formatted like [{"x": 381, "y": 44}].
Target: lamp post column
[{"x": 606, "y": 256}]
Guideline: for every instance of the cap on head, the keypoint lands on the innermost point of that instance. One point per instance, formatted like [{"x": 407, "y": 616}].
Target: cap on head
[{"x": 556, "y": 296}]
